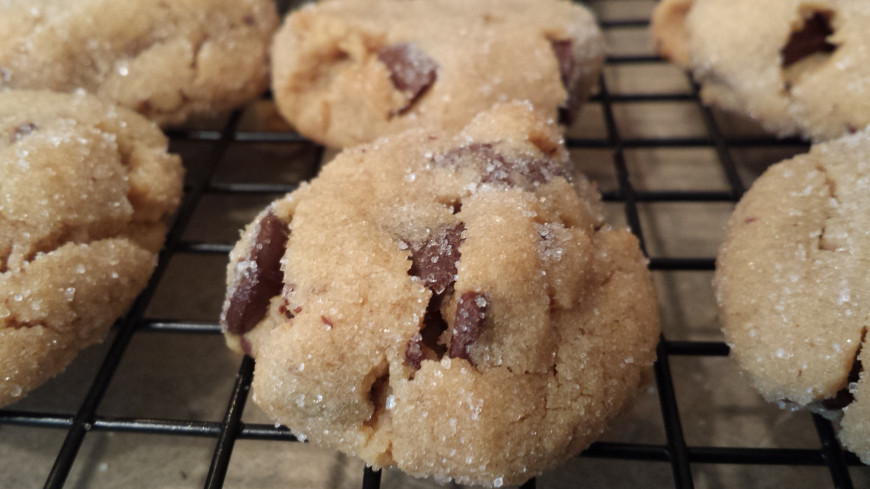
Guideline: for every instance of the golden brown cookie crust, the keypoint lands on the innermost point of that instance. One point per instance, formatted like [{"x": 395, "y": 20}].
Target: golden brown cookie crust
[
  {"x": 792, "y": 280},
  {"x": 170, "y": 60},
  {"x": 85, "y": 187},
  {"x": 569, "y": 322},
  {"x": 797, "y": 67},
  {"x": 331, "y": 81}
]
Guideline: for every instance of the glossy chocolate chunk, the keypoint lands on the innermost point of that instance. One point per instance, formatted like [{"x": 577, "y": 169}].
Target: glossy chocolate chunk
[
  {"x": 414, "y": 352},
  {"x": 411, "y": 70},
  {"x": 468, "y": 324},
  {"x": 260, "y": 279},
  {"x": 811, "y": 39},
  {"x": 500, "y": 169},
  {"x": 426, "y": 343},
  {"x": 434, "y": 260}
]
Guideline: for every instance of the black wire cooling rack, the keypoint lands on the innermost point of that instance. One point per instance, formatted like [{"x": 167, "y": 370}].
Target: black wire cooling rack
[{"x": 205, "y": 181}]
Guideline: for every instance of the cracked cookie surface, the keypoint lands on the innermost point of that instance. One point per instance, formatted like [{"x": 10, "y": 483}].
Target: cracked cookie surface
[
  {"x": 350, "y": 71},
  {"x": 170, "y": 60},
  {"x": 798, "y": 67},
  {"x": 449, "y": 303},
  {"x": 85, "y": 187},
  {"x": 793, "y": 282}
]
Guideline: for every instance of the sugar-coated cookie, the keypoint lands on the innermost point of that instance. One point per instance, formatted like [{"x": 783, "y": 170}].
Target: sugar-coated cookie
[
  {"x": 167, "y": 59},
  {"x": 793, "y": 283},
  {"x": 350, "y": 71},
  {"x": 85, "y": 187},
  {"x": 797, "y": 67},
  {"x": 449, "y": 303}
]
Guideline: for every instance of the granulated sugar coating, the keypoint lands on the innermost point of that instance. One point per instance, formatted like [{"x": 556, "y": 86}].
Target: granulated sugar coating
[
  {"x": 351, "y": 71},
  {"x": 797, "y": 67},
  {"x": 451, "y": 304},
  {"x": 84, "y": 189},
  {"x": 793, "y": 283},
  {"x": 167, "y": 59}
]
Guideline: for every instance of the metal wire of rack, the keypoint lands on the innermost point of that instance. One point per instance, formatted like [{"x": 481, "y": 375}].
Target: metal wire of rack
[{"x": 214, "y": 143}]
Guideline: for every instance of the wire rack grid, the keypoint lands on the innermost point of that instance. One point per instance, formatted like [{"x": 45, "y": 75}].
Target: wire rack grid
[{"x": 665, "y": 164}]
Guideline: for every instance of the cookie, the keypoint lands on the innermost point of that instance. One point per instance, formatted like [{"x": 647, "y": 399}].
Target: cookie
[
  {"x": 350, "y": 71},
  {"x": 449, "y": 303},
  {"x": 85, "y": 187},
  {"x": 793, "y": 283},
  {"x": 170, "y": 60},
  {"x": 797, "y": 67}
]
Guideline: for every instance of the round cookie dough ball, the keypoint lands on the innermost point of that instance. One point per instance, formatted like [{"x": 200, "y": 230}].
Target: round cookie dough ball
[
  {"x": 793, "y": 283},
  {"x": 797, "y": 67},
  {"x": 85, "y": 187},
  {"x": 350, "y": 71},
  {"x": 170, "y": 60},
  {"x": 451, "y": 304}
]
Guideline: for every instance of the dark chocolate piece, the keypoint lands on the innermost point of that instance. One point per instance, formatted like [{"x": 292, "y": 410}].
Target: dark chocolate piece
[
  {"x": 811, "y": 39},
  {"x": 261, "y": 277},
  {"x": 414, "y": 352},
  {"x": 412, "y": 71},
  {"x": 426, "y": 341},
  {"x": 434, "y": 260},
  {"x": 499, "y": 169},
  {"x": 468, "y": 324}
]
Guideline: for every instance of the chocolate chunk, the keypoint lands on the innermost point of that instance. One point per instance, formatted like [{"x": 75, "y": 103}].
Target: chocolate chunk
[
  {"x": 565, "y": 57},
  {"x": 542, "y": 170},
  {"x": 468, "y": 323},
  {"x": 411, "y": 70},
  {"x": 479, "y": 153},
  {"x": 23, "y": 130},
  {"x": 425, "y": 344},
  {"x": 434, "y": 260},
  {"x": 414, "y": 352},
  {"x": 260, "y": 279},
  {"x": 498, "y": 168},
  {"x": 811, "y": 39}
]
